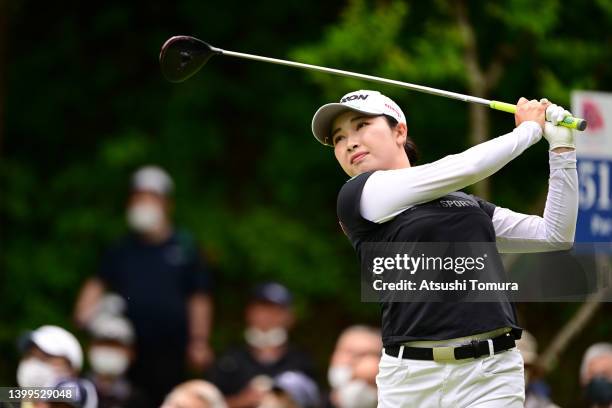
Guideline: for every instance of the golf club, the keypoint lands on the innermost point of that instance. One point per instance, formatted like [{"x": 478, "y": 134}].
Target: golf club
[{"x": 181, "y": 57}]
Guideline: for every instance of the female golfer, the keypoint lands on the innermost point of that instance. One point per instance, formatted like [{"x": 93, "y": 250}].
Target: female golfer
[{"x": 445, "y": 354}]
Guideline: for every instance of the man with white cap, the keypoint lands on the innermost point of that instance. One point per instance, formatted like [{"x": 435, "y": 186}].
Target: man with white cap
[
  {"x": 52, "y": 357},
  {"x": 159, "y": 272},
  {"x": 244, "y": 374},
  {"x": 110, "y": 353}
]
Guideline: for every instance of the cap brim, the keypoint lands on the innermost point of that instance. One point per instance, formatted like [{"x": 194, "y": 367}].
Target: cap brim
[
  {"x": 24, "y": 341},
  {"x": 324, "y": 117},
  {"x": 28, "y": 339},
  {"x": 43, "y": 344}
]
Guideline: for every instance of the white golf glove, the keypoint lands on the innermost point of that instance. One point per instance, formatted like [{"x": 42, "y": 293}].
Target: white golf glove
[{"x": 557, "y": 136}]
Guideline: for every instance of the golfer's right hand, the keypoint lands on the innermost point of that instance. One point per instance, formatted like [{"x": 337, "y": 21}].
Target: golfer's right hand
[{"x": 530, "y": 111}]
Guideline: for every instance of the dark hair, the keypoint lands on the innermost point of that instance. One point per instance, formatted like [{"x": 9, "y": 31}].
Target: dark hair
[{"x": 409, "y": 147}]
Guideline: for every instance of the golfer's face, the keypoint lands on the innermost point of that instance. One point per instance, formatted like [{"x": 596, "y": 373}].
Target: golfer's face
[{"x": 363, "y": 143}]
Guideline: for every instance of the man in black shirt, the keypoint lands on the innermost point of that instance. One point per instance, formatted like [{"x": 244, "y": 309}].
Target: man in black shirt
[
  {"x": 245, "y": 374},
  {"x": 159, "y": 273}
]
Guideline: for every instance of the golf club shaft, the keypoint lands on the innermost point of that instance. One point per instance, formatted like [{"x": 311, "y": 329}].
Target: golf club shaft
[
  {"x": 569, "y": 121},
  {"x": 426, "y": 89}
]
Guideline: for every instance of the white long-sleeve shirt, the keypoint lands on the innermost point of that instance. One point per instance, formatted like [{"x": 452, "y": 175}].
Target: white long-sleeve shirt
[{"x": 388, "y": 193}]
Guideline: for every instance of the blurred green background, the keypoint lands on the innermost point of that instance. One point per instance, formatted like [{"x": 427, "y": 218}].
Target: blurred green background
[{"x": 83, "y": 103}]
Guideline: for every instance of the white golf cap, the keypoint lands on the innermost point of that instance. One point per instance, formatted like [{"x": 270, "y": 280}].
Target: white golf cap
[
  {"x": 113, "y": 328},
  {"x": 364, "y": 101},
  {"x": 58, "y": 342},
  {"x": 153, "y": 179}
]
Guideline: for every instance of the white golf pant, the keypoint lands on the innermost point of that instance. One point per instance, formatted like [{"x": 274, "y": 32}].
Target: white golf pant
[{"x": 487, "y": 382}]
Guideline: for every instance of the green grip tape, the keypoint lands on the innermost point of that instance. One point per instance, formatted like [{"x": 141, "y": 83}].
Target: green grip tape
[
  {"x": 503, "y": 106},
  {"x": 569, "y": 121}
]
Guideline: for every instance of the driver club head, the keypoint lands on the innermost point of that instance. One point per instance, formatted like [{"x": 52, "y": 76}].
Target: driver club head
[{"x": 183, "y": 56}]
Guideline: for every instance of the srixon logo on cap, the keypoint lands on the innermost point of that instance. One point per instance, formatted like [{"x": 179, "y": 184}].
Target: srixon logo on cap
[{"x": 353, "y": 97}]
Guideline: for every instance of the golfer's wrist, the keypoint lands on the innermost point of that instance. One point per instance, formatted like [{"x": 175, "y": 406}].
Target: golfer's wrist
[
  {"x": 531, "y": 123},
  {"x": 563, "y": 160},
  {"x": 533, "y": 128},
  {"x": 560, "y": 150}
]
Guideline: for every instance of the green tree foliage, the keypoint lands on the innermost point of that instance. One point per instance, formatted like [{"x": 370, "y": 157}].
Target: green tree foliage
[{"x": 85, "y": 104}]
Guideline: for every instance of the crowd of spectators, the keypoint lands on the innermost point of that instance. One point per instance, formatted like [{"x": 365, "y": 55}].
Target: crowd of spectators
[{"x": 147, "y": 318}]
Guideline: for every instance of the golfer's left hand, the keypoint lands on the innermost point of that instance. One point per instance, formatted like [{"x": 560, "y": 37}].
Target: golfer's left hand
[{"x": 559, "y": 138}]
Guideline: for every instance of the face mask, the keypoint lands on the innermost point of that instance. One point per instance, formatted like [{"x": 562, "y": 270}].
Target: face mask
[
  {"x": 144, "y": 217},
  {"x": 265, "y": 338},
  {"x": 108, "y": 360},
  {"x": 36, "y": 373},
  {"x": 599, "y": 391},
  {"x": 339, "y": 375},
  {"x": 357, "y": 394}
]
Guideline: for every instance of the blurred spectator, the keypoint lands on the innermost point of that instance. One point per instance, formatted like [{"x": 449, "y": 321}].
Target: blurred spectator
[
  {"x": 243, "y": 375},
  {"x": 537, "y": 392},
  {"x": 291, "y": 389},
  {"x": 360, "y": 391},
  {"x": 52, "y": 357},
  {"x": 596, "y": 375},
  {"x": 354, "y": 366},
  {"x": 110, "y": 354},
  {"x": 158, "y": 272},
  {"x": 194, "y": 394}
]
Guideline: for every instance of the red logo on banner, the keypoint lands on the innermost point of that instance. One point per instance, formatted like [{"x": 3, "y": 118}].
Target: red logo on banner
[{"x": 592, "y": 115}]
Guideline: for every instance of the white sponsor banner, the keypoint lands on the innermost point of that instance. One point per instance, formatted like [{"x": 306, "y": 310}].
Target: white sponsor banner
[
  {"x": 596, "y": 108},
  {"x": 594, "y": 153}
]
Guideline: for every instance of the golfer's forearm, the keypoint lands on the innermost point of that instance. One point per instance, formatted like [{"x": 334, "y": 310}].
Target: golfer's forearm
[
  {"x": 387, "y": 193},
  {"x": 561, "y": 211},
  {"x": 555, "y": 231}
]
